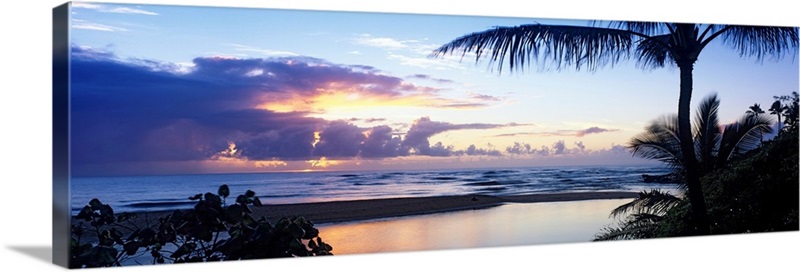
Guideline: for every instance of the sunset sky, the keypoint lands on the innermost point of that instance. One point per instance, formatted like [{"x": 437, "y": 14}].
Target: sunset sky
[{"x": 168, "y": 89}]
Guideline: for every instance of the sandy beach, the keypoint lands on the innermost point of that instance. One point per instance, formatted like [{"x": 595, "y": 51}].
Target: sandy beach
[
  {"x": 339, "y": 211},
  {"x": 353, "y": 210}
]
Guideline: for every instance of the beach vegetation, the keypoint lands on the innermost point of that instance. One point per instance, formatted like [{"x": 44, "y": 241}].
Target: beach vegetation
[
  {"x": 652, "y": 45},
  {"x": 715, "y": 144},
  {"x": 210, "y": 231},
  {"x": 786, "y": 106},
  {"x": 755, "y": 191},
  {"x": 640, "y": 218}
]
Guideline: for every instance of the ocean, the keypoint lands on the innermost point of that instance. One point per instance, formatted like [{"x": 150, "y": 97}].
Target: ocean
[{"x": 169, "y": 192}]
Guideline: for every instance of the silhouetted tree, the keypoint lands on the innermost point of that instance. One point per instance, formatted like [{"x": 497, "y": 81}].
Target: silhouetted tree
[
  {"x": 755, "y": 110},
  {"x": 654, "y": 45},
  {"x": 716, "y": 145},
  {"x": 777, "y": 109}
]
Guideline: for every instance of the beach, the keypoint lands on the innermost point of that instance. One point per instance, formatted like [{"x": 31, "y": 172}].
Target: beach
[
  {"x": 353, "y": 210},
  {"x": 341, "y": 211},
  {"x": 447, "y": 222}
]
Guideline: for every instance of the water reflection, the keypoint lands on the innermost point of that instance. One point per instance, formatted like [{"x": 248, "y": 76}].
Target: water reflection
[{"x": 507, "y": 225}]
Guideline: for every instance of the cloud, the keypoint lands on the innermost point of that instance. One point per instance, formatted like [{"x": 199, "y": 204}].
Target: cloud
[
  {"x": 558, "y": 147},
  {"x": 484, "y": 97},
  {"x": 381, "y": 142},
  {"x": 580, "y": 146},
  {"x": 553, "y": 133},
  {"x": 262, "y": 51},
  {"x": 367, "y": 120},
  {"x": 472, "y": 150},
  {"x": 593, "y": 130},
  {"x": 126, "y": 10},
  {"x": 560, "y": 133},
  {"x": 417, "y": 137},
  {"x": 130, "y": 112},
  {"x": 339, "y": 139},
  {"x": 144, "y": 111},
  {"x": 424, "y": 62},
  {"x": 380, "y": 42},
  {"x": 82, "y": 24},
  {"x": 427, "y": 77},
  {"x": 112, "y": 9}
]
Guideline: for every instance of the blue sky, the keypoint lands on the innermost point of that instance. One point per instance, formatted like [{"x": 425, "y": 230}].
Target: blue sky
[{"x": 362, "y": 74}]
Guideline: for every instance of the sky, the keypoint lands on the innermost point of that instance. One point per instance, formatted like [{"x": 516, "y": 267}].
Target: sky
[{"x": 162, "y": 89}]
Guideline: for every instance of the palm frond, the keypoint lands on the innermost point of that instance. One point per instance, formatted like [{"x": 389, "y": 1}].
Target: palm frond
[
  {"x": 644, "y": 28},
  {"x": 638, "y": 226},
  {"x": 654, "y": 202},
  {"x": 651, "y": 52},
  {"x": 660, "y": 142},
  {"x": 706, "y": 131},
  {"x": 742, "y": 136},
  {"x": 558, "y": 45},
  {"x": 761, "y": 41}
]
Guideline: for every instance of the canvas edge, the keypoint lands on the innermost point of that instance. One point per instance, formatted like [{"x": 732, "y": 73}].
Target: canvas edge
[{"x": 61, "y": 222}]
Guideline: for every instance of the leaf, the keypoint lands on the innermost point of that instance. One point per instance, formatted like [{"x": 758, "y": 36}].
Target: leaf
[
  {"x": 257, "y": 202},
  {"x": 234, "y": 213},
  {"x": 250, "y": 193},
  {"x": 131, "y": 247},
  {"x": 296, "y": 231},
  {"x": 312, "y": 244},
  {"x": 196, "y": 197},
  {"x": 224, "y": 191},
  {"x": 103, "y": 256},
  {"x": 85, "y": 214},
  {"x": 95, "y": 203},
  {"x": 183, "y": 250},
  {"x": 147, "y": 234}
]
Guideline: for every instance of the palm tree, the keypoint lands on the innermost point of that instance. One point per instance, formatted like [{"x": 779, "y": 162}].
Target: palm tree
[
  {"x": 715, "y": 145},
  {"x": 777, "y": 109},
  {"x": 755, "y": 110},
  {"x": 654, "y": 45}
]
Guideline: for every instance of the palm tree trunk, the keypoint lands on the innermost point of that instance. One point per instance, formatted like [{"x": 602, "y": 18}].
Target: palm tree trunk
[{"x": 690, "y": 164}]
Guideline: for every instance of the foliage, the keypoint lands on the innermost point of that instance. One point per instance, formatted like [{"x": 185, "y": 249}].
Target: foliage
[
  {"x": 714, "y": 146},
  {"x": 211, "y": 231},
  {"x": 104, "y": 227},
  {"x": 757, "y": 193},
  {"x": 746, "y": 192},
  {"x": 787, "y": 106},
  {"x": 645, "y": 213},
  {"x": 653, "y": 45}
]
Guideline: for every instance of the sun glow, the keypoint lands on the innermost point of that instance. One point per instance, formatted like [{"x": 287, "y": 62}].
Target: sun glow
[
  {"x": 323, "y": 162},
  {"x": 270, "y": 164},
  {"x": 316, "y": 138}
]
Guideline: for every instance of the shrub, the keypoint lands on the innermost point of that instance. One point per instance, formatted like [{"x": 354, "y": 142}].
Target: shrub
[{"x": 211, "y": 231}]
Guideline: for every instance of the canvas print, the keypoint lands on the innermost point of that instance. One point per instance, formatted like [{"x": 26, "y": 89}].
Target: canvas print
[{"x": 199, "y": 134}]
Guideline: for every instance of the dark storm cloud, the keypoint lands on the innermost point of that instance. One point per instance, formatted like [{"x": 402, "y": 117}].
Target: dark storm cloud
[
  {"x": 138, "y": 110},
  {"x": 145, "y": 111}
]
